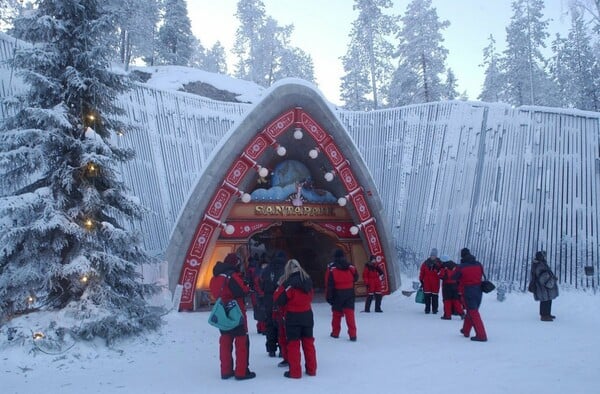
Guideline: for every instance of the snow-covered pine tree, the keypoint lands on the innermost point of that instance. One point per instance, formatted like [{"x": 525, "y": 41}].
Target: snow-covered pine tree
[
  {"x": 136, "y": 23},
  {"x": 252, "y": 16},
  {"x": 449, "y": 91},
  {"x": 175, "y": 38},
  {"x": 526, "y": 81},
  {"x": 493, "y": 82},
  {"x": 369, "y": 37},
  {"x": 296, "y": 63},
  {"x": 422, "y": 56},
  {"x": 355, "y": 86},
  {"x": 216, "y": 60},
  {"x": 63, "y": 247},
  {"x": 574, "y": 68}
]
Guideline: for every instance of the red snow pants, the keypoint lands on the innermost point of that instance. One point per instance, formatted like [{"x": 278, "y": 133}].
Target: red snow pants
[
  {"x": 226, "y": 344},
  {"x": 473, "y": 319},
  {"x": 336, "y": 322},
  {"x": 294, "y": 356}
]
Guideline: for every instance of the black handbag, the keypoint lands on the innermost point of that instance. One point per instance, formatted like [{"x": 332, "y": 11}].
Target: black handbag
[{"x": 486, "y": 285}]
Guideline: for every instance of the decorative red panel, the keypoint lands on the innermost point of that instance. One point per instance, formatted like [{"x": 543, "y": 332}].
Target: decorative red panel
[
  {"x": 372, "y": 237},
  {"x": 244, "y": 229},
  {"x": 342, "y": 230},
  {"x": 218, "y": 203},
  {"x": 256, "y": 147},
  {"x": 360, "y": 204},
  {"x": 280, "y": 124},
  {"x": 201, "y": 241},
  {"x": 312, "y": 127},
  {"x": 347, "y": 178},
  {"x": 237, "y": 172},
  {"x": 189, "y": 285},
  {"x": 332, "y": 151}
]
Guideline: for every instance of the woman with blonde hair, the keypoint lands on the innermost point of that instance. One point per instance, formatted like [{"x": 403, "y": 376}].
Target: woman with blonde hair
[{"x": 295, "y": 294}]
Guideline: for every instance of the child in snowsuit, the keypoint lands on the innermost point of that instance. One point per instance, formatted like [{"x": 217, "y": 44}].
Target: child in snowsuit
[
  {"x": 450, "y": 295},
  {"x": 372, "y": 275}
]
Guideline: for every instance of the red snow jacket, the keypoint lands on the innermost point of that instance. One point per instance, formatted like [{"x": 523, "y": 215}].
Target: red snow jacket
[
  {"x": 372, "y": 278},
  {"x": 469, "y": 274},
  {"x": 228, "y": 284},
  {"x": 428, "y": 275}
]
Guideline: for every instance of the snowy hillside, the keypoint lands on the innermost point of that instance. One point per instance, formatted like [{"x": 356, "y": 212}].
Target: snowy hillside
[{"x": 210, "y": 85}]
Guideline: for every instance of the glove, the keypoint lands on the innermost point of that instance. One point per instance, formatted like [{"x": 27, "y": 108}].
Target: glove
[{"x": 421, "y": 283}]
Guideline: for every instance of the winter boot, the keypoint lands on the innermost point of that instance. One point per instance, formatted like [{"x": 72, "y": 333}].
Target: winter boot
[
  {"x": 368, "y": 303},
  {"x": 546, "y": 318},
  {"x": 378, "y": 298}
]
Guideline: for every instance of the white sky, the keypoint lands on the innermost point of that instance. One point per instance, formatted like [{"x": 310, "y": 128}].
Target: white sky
[{"x": 322, "y": 28}]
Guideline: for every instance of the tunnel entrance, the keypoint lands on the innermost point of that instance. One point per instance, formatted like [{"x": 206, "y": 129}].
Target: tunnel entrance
[{"x": 301, "y": 241}]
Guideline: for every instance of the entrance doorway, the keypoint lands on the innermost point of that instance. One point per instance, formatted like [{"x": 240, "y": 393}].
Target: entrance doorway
[{"x": 313, "y": 249}]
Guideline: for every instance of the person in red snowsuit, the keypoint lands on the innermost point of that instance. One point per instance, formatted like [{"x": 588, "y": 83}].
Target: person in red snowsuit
[
  {"x": 430, "y": 281},
  {"x": 372, "y": 275},
  {"x": 227, "y": 282},
  {"x": 339, "y": 279},
  {"x": 469, "y": 274},
  {"x": 295, "y": 295},
  {"x": 450, "y": 294}
]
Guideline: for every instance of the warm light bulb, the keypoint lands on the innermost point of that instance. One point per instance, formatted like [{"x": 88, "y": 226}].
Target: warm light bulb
[
  {"x": 30, "y": 300},
  {"x": 342, "y": 201},
  {"x": 91, "y": 117},
  {"x": 263, "y": 172},
  {"x": 88, "y": 223},
  {"x": 38, "y": 335},
  {"x": 84, "y": 279},
  {"x": 229, "y": 229},
  {"x": 298, "y": 133},
  {"x": 281, "y": 151},
  {"x": 246, "y": 197},
  {"x": 313, "y": 153},
  {"x": 329, "y": 176}
]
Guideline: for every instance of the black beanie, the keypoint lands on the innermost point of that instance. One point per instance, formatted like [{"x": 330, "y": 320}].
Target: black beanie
[{"x": 464, "y": 252}]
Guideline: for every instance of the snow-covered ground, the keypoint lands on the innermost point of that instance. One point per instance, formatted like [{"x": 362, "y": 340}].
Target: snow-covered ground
[{"x": 400, "y": 350}]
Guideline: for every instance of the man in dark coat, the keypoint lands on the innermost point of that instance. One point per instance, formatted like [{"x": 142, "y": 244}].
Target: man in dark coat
[
  {"x": 227, "y": 282},
  {"x": 543, "y": 285},
  {"x": 339, "y": 279},
  {"x": 268, "y": 283},
  {"x": 469, "y": 274}
]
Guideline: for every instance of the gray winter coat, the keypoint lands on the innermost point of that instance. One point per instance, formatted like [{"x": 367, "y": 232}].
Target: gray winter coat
[{"x": 545, "y": 283}]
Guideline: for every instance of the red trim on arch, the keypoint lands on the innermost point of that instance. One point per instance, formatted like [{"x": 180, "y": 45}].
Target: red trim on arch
[{"x": 210, "y": 228}]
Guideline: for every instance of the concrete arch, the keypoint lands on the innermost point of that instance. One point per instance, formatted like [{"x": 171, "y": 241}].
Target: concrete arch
[{"x": 288, "y": 106}]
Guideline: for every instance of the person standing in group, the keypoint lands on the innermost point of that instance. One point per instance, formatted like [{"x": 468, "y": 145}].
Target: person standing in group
[
  {"x": 295, "y": 296},
  {"x": 372, "y": 275},
  {"x": 430, "y": 281},
  {"x": 268, "y": 283},
  {"x": 339, "y": 281},
  {"x": 450, "y": 294},
  {"x": 543, "y": 285},
  {"x": 469, "y": 274},
  {"x": 227, "y": 282}
]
